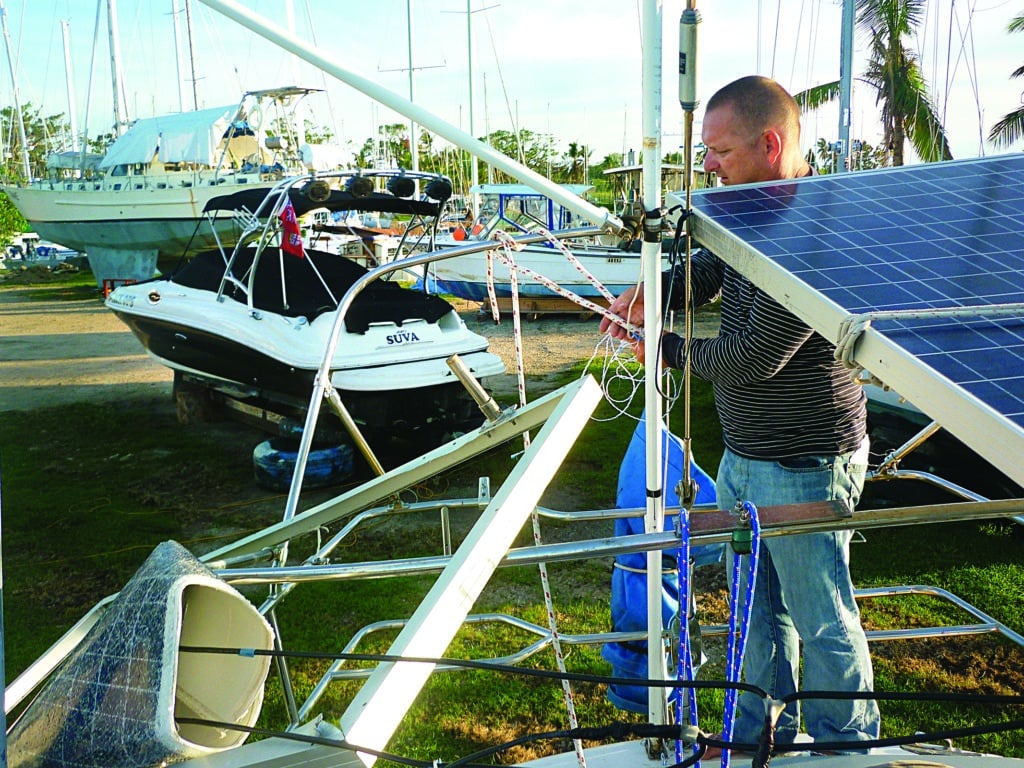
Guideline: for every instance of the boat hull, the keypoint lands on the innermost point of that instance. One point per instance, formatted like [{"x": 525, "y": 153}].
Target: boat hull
[
  {"x": 392, "y": 379},
  {"x": 149, "y": 218},
  {"x": 466, "y": 276}
]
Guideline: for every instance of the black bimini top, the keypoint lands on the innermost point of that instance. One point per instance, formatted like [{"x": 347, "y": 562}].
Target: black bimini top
[
  {"x": 338, "y": 200},
  {"x": 307, "y": 297}
]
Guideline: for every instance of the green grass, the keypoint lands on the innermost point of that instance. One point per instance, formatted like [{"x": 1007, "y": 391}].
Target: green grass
[{"x": 88, "y": 491}]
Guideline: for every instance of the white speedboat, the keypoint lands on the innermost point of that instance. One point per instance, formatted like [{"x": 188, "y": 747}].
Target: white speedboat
[
  {"x": 144, "y": 198},
  {"x": 252, "y": 320}
]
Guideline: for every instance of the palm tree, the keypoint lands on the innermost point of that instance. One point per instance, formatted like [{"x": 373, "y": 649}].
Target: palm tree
[
  {"x": 1011, "y": 127},
  {"x": 894, "y": 73},
  {"x": 575, "y": 162}
]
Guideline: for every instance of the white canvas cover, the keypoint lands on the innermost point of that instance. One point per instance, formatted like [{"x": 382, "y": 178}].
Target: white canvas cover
[
  {"x": 72, "y": 160},
  {"x": 183, "y": 137}
]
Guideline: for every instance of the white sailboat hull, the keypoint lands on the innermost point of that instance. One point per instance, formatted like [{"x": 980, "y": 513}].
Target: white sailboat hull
[
  {"x": 466, "y": 276},
  {"x": 156, "y": 216}
]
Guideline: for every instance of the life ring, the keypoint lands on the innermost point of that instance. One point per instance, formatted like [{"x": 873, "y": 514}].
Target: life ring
[
  {"x": 255, "y": 118},
  {"x": 274, "y": 464}
]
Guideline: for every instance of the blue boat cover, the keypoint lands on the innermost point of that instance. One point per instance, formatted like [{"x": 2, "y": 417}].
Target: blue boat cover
[{"x": 629, "y": 577}]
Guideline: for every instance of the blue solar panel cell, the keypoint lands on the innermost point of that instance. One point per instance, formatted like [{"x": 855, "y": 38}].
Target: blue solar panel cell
[{"x": 921, "y": 237}]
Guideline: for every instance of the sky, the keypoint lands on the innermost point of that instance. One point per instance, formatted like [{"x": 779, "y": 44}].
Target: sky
[{"x": 568, "y": 68}]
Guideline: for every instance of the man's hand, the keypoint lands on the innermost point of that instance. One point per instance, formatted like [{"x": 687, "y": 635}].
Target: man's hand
[
  {"x": 640, "y": 352},
  {"x": 630, "y": 307}
]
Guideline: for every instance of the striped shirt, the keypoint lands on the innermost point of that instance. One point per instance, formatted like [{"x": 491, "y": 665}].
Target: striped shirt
[{"x": 779, "y": 391}]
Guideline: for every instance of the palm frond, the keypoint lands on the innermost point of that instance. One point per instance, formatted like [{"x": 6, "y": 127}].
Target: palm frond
[
  {"x": 891, "y": 18},
  {"x": 1009, "y": 129},
  {"x": 926, "y": 134},
  {"x": 814, "y": 97}
]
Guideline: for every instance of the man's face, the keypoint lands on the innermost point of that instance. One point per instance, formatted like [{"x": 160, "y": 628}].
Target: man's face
[{"x": 733, "y": 153}]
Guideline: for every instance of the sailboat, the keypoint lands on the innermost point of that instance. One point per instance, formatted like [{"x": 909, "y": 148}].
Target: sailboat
[
  {"x": 143, "y": 198},
  {"x": 173, "y": 669}
]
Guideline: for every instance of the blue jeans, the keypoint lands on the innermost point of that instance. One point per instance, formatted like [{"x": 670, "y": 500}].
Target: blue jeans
[{"x": 803, "y": 593}]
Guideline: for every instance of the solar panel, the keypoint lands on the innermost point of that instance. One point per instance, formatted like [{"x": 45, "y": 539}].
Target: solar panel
[{"x": 921, "y": 237}]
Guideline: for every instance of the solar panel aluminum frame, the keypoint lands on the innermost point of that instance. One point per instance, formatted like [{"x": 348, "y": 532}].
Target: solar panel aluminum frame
[{"x": 996, "y": 438}]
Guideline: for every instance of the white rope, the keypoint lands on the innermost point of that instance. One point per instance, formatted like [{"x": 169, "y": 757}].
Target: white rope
[
  {"x": 852, "y": 326},
  {"x": 508, "y": 245},
  {"x": 507, "y": 248}
]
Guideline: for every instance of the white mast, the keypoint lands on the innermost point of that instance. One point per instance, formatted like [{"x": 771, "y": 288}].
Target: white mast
[
  {"x": 191, "y": 55},
  {"x": 72, "y": 118},
  {"x": 845, "y": 83},
  {"x": 300, "y": 108},
  {"x": 650, "y": 257},
  {"x": 175, "y": 12},
  {"x": 414, "y": 149},
  {"x": 474, "y": 172},
  {"x": 116, "y": 70},
  {"x": 19, "y": 118}
]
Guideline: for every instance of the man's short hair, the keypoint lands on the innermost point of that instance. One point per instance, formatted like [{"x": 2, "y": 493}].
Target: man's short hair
[{"x": 759, "y": 103}]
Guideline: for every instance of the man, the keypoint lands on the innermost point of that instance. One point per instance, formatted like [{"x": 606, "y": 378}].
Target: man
[{"x": 794, "y": 428}]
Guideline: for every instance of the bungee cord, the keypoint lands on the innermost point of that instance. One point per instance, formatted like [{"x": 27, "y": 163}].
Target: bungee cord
[{"x": 737, "y": 642}]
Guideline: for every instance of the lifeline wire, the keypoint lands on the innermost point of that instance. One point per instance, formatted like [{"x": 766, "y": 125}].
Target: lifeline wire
[
  {"x": 615, "y": 371},
  {"x": 504, "y": 254}
]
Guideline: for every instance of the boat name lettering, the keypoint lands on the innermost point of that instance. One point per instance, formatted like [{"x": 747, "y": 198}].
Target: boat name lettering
[
  {"x": 121, "y": 301},
  {"x": 402, "y": 337}
]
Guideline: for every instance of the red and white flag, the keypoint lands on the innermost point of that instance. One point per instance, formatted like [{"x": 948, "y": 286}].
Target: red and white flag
[{"x": 291, "y": 237}]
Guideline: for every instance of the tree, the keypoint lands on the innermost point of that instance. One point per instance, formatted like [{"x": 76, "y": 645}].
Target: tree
[
  {"x": 43, "y": 135},
  {"x": 574, "y": 163},
  {"x": 907, "y": 112},
  {"x": 824, "y": 158},
  {"x": 1011, "y": 127},
  {"x": 11, "y": 220},
  {"x": 314, "y": 134},
  {"x": 533, "y": 150}
]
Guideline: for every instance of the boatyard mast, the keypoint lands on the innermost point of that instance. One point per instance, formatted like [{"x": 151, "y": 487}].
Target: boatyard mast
[
  {"x": 19, "y": 118},
  {"x": 116, "y": 71}
]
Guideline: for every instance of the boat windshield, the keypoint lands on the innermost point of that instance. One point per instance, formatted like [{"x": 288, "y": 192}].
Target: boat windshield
[{"x": 521, "y": 214}]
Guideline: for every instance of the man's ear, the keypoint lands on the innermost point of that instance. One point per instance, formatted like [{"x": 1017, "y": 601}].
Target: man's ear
[{"x": 772, "y": 143}]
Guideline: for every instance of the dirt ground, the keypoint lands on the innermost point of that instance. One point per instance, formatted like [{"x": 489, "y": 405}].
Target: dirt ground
[{"x": 54, "y": 352}]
